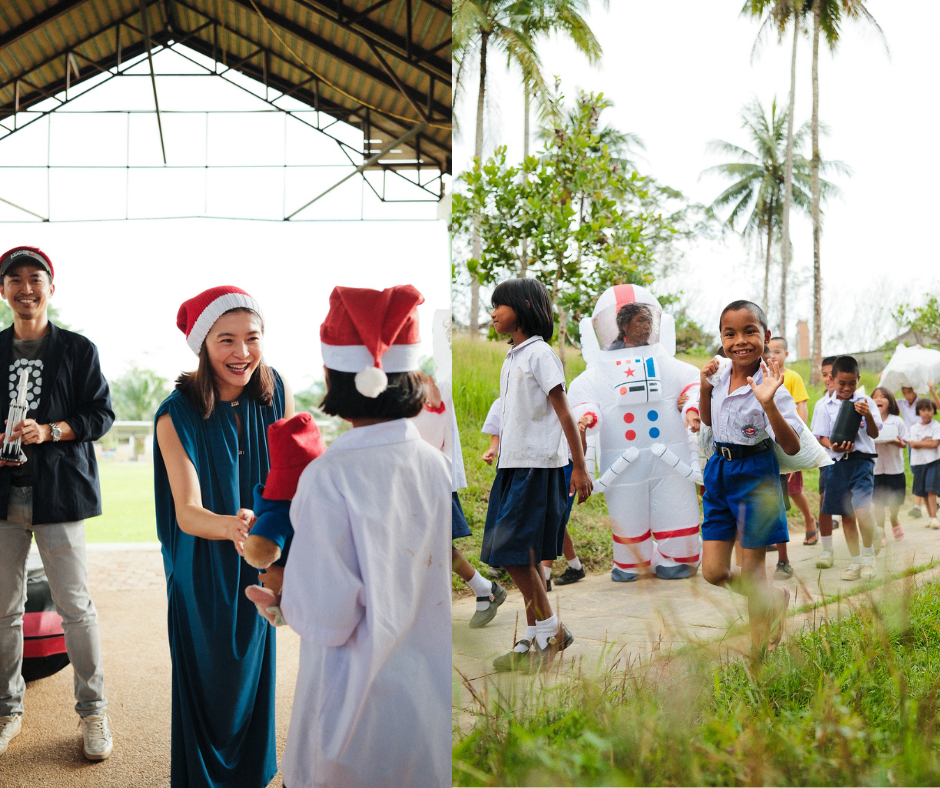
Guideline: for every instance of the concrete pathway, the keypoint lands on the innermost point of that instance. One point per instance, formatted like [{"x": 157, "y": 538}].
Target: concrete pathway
[
  {"x": 129, "y": 591},
  {"x": 617, "y": 623}
]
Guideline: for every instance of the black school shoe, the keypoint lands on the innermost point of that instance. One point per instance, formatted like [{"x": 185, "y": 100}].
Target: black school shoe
[
  {"x": 514, "y": 660},
  {"x": 541, "y": 659},
  {"x": 483, "y": 617},
  {"x": 570, "y": 575}
]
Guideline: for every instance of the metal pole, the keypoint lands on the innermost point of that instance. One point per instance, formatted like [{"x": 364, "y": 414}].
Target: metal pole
[
  {"x": 371, "y": 160},
  {"x": 25, "y": 210},
  {"x": 153, "y": 78}
]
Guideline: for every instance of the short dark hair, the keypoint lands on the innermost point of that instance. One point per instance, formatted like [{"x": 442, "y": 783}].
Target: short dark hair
[
  {"x": 828, "y": 361},
  {"x": 404, "y": 397},
  {"x": 629, "y": 311},
  {"x": 530, "y": 300},
  {"x": 893, "y": 408},
  {"x": 750, "y": 306},
  {"x": 923, "y": 404},
  {"x": 200, "y": 389},
  {"x": 845, "y": 364},
  {"x": 781, "y": 339}
]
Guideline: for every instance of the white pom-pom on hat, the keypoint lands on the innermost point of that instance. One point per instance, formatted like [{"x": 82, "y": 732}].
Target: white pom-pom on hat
[{"x": 371, "y": 382}]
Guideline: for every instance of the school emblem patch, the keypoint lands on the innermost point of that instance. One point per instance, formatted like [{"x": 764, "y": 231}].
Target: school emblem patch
[{"x": 750, "y": 430}]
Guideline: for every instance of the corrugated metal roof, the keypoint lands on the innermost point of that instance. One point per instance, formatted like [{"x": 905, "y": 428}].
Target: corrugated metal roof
[{"x": 381, "y": 65}]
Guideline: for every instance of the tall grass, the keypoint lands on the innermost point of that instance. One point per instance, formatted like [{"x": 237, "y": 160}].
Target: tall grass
[{"x": 854, "y": 702}]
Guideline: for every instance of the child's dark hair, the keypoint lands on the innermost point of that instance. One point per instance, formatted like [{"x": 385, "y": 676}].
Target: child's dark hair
[
  {"x": 531, "y": 302},
  {"x": 782, "y": 340},
  {"x": 893, "y": 408},
  {"x": 750, "y": 306},
  {"x": 924, "y": 404},
  {"x": 404, "y": 397},
  {"x": 828, "y": 361},
  {"x": 845, "y": 364}
]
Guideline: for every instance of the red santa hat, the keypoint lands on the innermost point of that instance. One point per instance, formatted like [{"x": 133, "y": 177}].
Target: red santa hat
[
  {"x": 197, "y": 315},
  {"x": 371, "y": 332},
  {"x": 293, "y": 444}
]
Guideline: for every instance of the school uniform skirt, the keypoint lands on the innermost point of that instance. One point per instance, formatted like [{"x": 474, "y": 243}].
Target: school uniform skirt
[
  {"x": 889, "y": 489},
  {"x": 458, "y": 521},
  {"x": 525, "y": 517}
]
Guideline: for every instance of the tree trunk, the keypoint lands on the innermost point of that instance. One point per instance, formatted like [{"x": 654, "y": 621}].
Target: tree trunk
[
  {"x": 476, "y": 249},
  {"x": 816, "y": 375},
  {"x": 524, "y": 257},
  {"x": 788, "y": 182},
  {"x": 770, "y": 231}
]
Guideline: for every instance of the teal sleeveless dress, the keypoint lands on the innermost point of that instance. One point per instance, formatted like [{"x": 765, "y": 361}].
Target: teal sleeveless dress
[{"x": 223, "y": 652}]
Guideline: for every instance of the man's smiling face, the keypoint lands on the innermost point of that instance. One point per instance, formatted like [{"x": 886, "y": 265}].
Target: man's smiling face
[{"x": 26, "y": 288}]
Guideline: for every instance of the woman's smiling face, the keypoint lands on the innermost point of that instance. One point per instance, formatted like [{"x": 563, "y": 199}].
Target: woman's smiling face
[
  {"x": 234, "y": 346},
  {"x": 743, "y": 337}
]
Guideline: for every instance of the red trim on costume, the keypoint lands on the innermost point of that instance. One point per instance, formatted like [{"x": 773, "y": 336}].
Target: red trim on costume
[
  {"x": 632, "y": 539},
  {"x": 693, "y": 408},
  {"x": 439, "y": 409},
  {"x": 690, "y": 560},
  {"x": 632, "y": 566},
  {"x": 593, "y": 416},
  {"x": 690, "y": 386},
  {"x": 674, "y": 534},
  {"x": 624, "y": 295}
]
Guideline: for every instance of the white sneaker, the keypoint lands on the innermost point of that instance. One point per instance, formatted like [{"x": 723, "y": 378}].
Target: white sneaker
[
  {"x": 933, "y": 523},
  {"x": 96, "y": 736},
  {"x": 825, "y": 560},
  {"x": 852, "y": 572},
  {"x": 10, "y": 728},
  {"x": 867, "y": 571}
]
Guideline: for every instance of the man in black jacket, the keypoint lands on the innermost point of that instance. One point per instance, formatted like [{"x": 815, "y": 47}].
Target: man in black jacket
[{"x": 50, "y": 494}]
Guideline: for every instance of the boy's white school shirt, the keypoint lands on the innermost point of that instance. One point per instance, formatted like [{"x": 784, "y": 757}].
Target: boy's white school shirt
[
  {"x": 921, "y": 432},
  {"x": 908, "y": 412},
  {"x": 737, "y": 416},
  {"x": 890, "y": 458},
  {"x": 367, "y": 588},
  {"x": 827, "y": 417},
  {"x": 530, "y": 432}
]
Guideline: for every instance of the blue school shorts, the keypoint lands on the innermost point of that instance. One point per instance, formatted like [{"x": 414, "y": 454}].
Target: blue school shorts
[
  {"x": 458, "y": 522},
  {"x": 926, "y": 478},
  {"x": 569, "y": 468},
  {"x": 743, "y": 500},
  {"x": 525, "y": 516},
  {"x": 822, "y": 480},
  {"x": 849, "y": 485}
]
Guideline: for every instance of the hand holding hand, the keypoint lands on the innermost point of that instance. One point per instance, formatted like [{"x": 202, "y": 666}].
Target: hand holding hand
[
  {"x": 267, "y": 603},
  {"x": 434, "y": 393},
  {"x": 772, "y": 380},
  {"x": 683, "y": 398},
  {"x": 693, "y": 420},
  {"x": 238, "y": 527}
]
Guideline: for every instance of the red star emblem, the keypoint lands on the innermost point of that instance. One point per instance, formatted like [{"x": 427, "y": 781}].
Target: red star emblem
[{"x": 630, "y": 372}]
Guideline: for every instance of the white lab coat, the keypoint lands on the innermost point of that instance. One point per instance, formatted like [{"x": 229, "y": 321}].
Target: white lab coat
[{"x": 367, "y": 589}]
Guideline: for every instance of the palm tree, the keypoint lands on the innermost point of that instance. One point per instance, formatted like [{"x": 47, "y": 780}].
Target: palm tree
[
  {"x": 827, "y": 18},
  {"x": 756, "y": 195}
]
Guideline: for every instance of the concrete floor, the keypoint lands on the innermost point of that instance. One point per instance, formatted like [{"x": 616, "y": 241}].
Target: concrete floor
[{"x": 129, "y": 591}]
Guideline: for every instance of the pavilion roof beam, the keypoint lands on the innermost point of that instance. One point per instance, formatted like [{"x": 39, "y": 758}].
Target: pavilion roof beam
[{"x": 35, "y": 23}]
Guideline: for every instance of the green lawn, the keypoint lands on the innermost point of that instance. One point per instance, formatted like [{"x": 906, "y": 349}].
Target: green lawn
[{"x": 127, "y": 502}]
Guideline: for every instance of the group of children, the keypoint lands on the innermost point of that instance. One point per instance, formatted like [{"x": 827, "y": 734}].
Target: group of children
[{"x": 750, "y": 404}]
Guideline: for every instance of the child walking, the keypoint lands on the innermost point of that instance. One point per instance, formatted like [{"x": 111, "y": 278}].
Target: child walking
[
  {"x": 529, "y": 497},
  {"x": 747, "y": 408},
  {"x": 890, "y": 482},
  {"x": 850, "y": 482},
  {"x": 925, "y": 458}
]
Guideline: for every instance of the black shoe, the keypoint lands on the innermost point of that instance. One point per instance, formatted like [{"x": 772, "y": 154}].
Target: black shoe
[
  {"x": 548, "y": 583},
  {"x": 483, "y": 617},
  {"x": 542, "y": 658},
  {"x": 784, "y": 571},
  {"x": 771, "y": 548},
  {"x": 570, "y": 575},
  {"x": 515, "y": 660}
]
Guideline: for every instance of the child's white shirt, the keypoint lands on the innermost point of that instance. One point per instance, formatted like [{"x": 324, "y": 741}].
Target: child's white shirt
[
  {"x": 439, "y": 428},
  {"x": 921, "y": 432},
  {"x": 827, "y": 418},
  {"x": 367, "y": 588},
  {"x": 908, "y": 411},
  {"x": 530, "y": 432},
  {"x": 491, "y": 422},
  {"x": 737, "y": 416},
  {"x": 890, "y": 458}
]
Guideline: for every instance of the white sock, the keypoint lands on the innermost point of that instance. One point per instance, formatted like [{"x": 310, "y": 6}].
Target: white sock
[
  {"x": 575, "y": 563},
  {"x": 855, "y": 559},
  {"x": 530, "y": 636},
  {"x": 482, "y": 588},
  {"x": 546, "y": 629},
  {"x": 827, "y": 542},
  {"x": 547, "y": 571},
  {"x": 868, "y": 552}
]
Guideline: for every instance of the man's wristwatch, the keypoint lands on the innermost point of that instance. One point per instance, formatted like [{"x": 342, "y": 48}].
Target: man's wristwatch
[{"x": 56, "y": 432}]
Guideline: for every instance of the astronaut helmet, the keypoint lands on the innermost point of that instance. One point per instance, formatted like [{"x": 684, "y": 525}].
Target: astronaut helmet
[{"x": 627, "y": 316}]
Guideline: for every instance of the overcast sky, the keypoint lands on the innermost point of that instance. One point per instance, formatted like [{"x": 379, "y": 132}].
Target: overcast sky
[
  {"x": 122, "y": 282},
  {"x": 679, "y": 74}
]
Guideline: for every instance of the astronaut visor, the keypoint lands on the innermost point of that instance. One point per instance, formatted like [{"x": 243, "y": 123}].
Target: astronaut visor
[{"x": 627, "y": 325}]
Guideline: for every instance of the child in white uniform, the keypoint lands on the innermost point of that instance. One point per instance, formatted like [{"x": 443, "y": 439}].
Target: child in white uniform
[
  {"x": 925, "y": 458},
  {"x": 747, "y": 407},
  {"x": 890, "y": 482},
  {"x": 367, "y": 583},
  {"x": 529, "y": 498}
]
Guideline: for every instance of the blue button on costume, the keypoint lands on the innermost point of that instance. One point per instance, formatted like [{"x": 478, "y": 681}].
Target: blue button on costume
[{"x": 223, "y": 652}]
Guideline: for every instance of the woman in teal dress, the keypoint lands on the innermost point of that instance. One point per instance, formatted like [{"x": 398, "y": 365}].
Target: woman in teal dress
[{"x": 210, "y": 450}]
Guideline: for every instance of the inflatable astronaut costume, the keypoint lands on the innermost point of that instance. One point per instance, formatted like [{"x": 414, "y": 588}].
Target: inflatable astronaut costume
[{"x": 631, "y": 386}]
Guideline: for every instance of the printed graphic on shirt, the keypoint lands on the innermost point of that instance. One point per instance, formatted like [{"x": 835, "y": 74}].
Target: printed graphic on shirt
[
  {"x": 33, "y": 382},
  {"x": 637, "y": 380}
]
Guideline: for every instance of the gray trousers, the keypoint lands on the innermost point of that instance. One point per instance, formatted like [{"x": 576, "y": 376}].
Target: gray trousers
[{"x": 62, "y": 548}]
